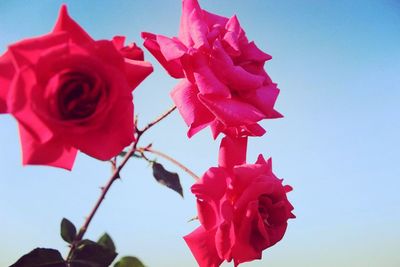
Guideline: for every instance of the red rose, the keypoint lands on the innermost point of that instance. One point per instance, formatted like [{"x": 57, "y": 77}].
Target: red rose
[
  {"x": 69, "y": 92},
  {"x": 243, "y": 209},
  {"x": 224, "y": 84}
]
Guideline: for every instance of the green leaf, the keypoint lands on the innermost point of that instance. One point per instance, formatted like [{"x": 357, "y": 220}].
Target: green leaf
[
  {"x": 129, "y": 261},
  {"x": 122, "y": 153},
  {"x": 41, "y": 257},
  {"x": 91, "y": 254},
  {"x": 68, "y": 231},
  {"x": 106, "y": 241},
  {"x": 169, "y": 179}
]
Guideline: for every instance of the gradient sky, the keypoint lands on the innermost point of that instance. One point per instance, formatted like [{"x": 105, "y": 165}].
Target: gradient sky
[{"x": 337, "y": 64}]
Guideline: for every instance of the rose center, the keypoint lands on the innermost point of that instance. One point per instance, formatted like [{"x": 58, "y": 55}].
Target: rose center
[
  {"x": 264, "y": 205},
  {"x": 77, "y": 95}
]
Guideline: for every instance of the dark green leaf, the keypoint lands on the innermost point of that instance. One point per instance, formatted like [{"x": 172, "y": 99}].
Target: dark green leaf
[
  {"x": 41, "y": 257},
  {"x": 68, "y": 231},
  {"x": 129, "y": 262},
  {"x": 106, "y": 241},
  {"x": 122, "y": 153},
  {"x": 169, "y": 179},
  {"x": 91, "y": 254}
]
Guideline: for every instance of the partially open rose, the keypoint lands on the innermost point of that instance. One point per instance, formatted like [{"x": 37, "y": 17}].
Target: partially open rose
[
  {"x": 242, "y": 208},
  {"x": 224, "y": 84},
  {"x": 69, "y": 92}
]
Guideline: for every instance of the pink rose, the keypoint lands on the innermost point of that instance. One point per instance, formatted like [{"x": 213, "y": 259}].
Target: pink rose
[
  {"x": 224, "y": 84},
  {"x": 69, "y": 92},
  {"x": 242, "y": 208}
]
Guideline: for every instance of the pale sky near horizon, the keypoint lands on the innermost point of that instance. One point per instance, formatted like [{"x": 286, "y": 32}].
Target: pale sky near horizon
[{"x": 337, "y": 64}]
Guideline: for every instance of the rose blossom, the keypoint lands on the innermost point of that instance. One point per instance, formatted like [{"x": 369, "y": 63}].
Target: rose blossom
[
  {"x": 69, "y": 92},
  {"x": 242, "y": 208},
  {"x": 224, "y": 84}
]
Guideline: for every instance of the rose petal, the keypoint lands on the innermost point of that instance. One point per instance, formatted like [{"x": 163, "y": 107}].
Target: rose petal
[
  {"x": 251, "y": 52},
  {"x": 264, "y": 99},
  {"x": 67, "y": 24},
  {"x": 52, "y": 152},
  {"x": 188, "y": 6},
  {"x": 202, "y": 245},
  {"x": 174, "y": 67},
  {"x": 7, "y": 72},
  {"x": 206, "y": 81},
  {"x": 198, "y": 29},
  {"x": 171, "y": 48},
  {"x": 231, "y": 112},
  {"x": 214, "y": 19},
  {"x": 192, "y": 110},
  {"x": 261, "y": 160},
  {"x": 216, "y": 128},
  {"x": 224, "y": 240},
  {"x": 109, "y": 139},
  {"x": 207, "y": 213},
  {"x": 212, "y": 186},
  {"x": 233, "y": 31},
  {"x": 243, "y": 250},
  {"x": 28, "y": 52},
  {"x": 131, "y": 51},
  {"x": 19, "y": 104},
  {"x": 253, "y": 130},
  {"x": 234, "y": 76},
  {"x": 137, "y": 71},
  {"x": 232, "y": 152}
]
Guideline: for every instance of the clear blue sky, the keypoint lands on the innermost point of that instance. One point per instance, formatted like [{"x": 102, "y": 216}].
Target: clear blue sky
[{"x": 337, "y": 64}]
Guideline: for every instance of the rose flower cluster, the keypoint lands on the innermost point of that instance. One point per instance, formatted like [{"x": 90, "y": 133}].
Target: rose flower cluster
[
  {"x": 242, "y": 208},
  {"x": 69, "y": 92}
]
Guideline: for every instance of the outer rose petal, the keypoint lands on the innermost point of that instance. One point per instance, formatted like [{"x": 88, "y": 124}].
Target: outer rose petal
[
  {"x": 52, "y": 152},
  {"x": 251, "y": 52},
  {"x": 232, "y": 152},
  {"x": 212, "y": 186},
  {"x": 233, "y": 32},
  {"x": 19, "y": 105},
  {"x": 28, "y": 52},
  {"x": 214, "y": 19},
  {"x": 202, "y": 245},
  {"x": 264, "y": 99},
  {"x": 192, "y": 110},
  {"x": 67, "y": 24},
  {"x": 198, "y": 29},
  {"x": 171, "y": 48},
  {"x": 131, "y": 52},
  {"x": 137, "y": 71},
  {"x": 174, "y": 67},
  {"x": 188, "y": 6},
  {"x": 6, "y": 74},
  {"x": 231, "y": 112}
]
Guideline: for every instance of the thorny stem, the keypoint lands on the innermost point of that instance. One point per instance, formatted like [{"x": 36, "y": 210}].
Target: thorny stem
[
  {"x": 174, "y": 161},
  {"x": 114, "y": 176},
  {"x": 162, "y": 116}
]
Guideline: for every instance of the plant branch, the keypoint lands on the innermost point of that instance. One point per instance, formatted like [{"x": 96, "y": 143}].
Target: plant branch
[
  {"x": 161, "y": 117},
  {"x": 174, "y": 161},
  {"x": 114, "y": 176}
]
